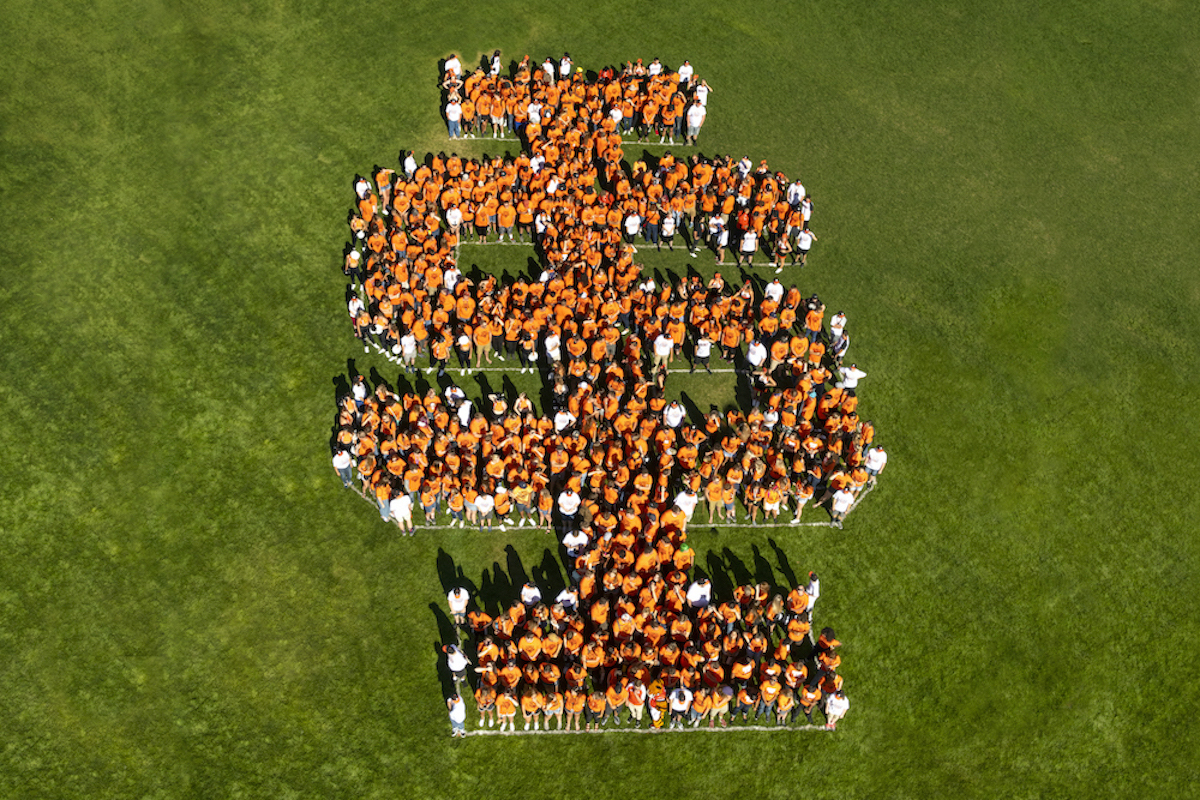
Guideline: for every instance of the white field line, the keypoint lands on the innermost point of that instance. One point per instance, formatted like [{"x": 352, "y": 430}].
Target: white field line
[{"x": 686, "y": 729}]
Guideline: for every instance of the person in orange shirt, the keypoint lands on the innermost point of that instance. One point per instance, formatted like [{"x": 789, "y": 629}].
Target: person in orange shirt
[
  {"x": 506, "y": 710},
  {"x": 531, "y": 706},
  {"x": 596, "y": 704},
  {"x": 574, "y": 702}
]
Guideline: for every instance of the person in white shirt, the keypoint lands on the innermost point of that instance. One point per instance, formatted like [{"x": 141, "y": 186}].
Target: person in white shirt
[
  {"x": 876, "y": 461},
  {"x": 564, "y": 66},
  {"x": 550, "y": 69},
  {"x": 342, "y": 462},
  {"x": 408, "y": 352},
  {"x": 400, "y": 510},
  {"x": 454, "y": 65},
  {"x": 701, "y": 352},
  {"x": 575, "y": 542},
  {"x": 664, "y": 349},
  {"x": 702, "y": 92},
  {"x": 699, "y": 594},
  {"x": 534, "y": 113},
  {"x": 686, "y": 71},
  {"x": 553, "y": 344},
  {"x": 454, "y": 218},
  {"x": 568, "y": 506},
  {"x": 748, "y": 246},
  {"x": 568, "y": 598},
  {"x": 654, "y": 68},
  {"x": 843, "y": 499},
  {"x": 673, "y": 414},
  {"x": 633, "y": 224},
  {"x": 836, "y": 706},
  {"x": 814, "y": 591},
  {"x": 484, "y": 504},
  {"x": 458, "y": 716},
  {"x": 454, "y": 117},
  {"x": 696, "y": 114},
  {"x": 774, "y": 291},
  {"x": 851, "y": 377},
  {"x": 457, "y": 599},
  {"x": 457, "y": 661},
  {"x": 680, "y": 701},
  {"x": 756, "y": 354},
  {"x": 687, "y": 500},
  {"x": 795, "y": 192},
  {"x": 563, "y": 420},
  {"x": 531, "y": 595},
  {"x": 804, "y": 241},
  {"x": 410, "y": 164},
  {"x": 836, "y": 326}
]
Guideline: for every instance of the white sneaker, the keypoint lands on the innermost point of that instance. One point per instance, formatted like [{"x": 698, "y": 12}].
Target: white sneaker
[
  {"x": 795, "y": 521},
  {"x": 501, "y": 358}
]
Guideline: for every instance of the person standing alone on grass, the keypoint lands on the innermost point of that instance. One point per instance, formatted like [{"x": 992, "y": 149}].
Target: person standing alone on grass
[{"x": 458, "y": 716}]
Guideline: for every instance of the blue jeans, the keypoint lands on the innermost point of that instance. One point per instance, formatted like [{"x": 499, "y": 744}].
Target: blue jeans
[
  {"x": 455, "y": 128},
  {"x": 458, "y": 727}
]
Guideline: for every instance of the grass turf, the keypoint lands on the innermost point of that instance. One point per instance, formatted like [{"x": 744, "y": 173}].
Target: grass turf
[{"x": 191, "y": 605}]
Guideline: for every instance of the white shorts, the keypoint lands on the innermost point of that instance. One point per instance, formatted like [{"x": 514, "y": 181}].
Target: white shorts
[{"x": 770, "y": 506}]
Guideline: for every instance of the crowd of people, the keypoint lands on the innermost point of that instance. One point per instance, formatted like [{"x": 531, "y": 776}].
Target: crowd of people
[
  {"x": 634, "y": 640},
  {"x": 611, "y": 463},
  {"x": 602, "y": 334},
  {"x": 645, "y": 100}
]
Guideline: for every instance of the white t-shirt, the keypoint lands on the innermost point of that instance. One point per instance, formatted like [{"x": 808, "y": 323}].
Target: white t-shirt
[
  {"x": 837, "y": 325},
  {"x": 795, "y": 192},
  {"x": 573, "y": 542},
  {"x": 851, "y": 376},
  {"x": 457, "y": 660},
  {"x": 804, "y": 240},
  {"x": 842, "y": 500},
  {"x": 458, "y": 710},
  {"x": 552, "y": 344},
  {"x": 354, "y": 306},
  {"x": 563, "y": 420},
  {"x": 774, "y": 290},
  {"x": 342, "y": 460},
  {"x": 464, "y": 413},
  {"x": 655, "y": 68},
  {"x": 702, "y": 93},
  {"x": 696, "y": 114},
  {"x": 699, "y": 594},
  {"x": 668, "y": 226},
  {"x": 673, "y": 415},
  {"x": 548, "y": 66},
  {"x": 749, "y": 241},
  {"x": 531, "y": 595},
  {"x": 686, "y": 71},
  {"x": 454, "y": 65},
  {"x": 681, "y": 699},
  {"x": 410, "y": 164},
  {"x": 453, "y": 111},
  {"x": 757, "y": 353},
  {"x": 837, "y": 706},
  {"x": 401, "y": 507},
  {"x": 876, "y": 459},
  {"x": 457, "y": 600},
  {"x": 703, "y": 347},
  {"x": 454, "y": 216},
  {"x": 687, "y": 502},
  {"x": 664, "y": 345},
  {"x": 564, "y": 66},
  {"x": 568, "y": 503},
  {"x": 534, "y": 113},
  {"x": 633, "y": 224},
  {"x": 485, "y": 503},
  {"x": 408, "y": 344},
  {"x": 569, "y": 597}
]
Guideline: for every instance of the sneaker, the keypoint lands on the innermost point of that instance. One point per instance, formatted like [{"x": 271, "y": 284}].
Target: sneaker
[
  {"x": 501, "y": 358},
  {"x": 692, "y": 254},
  {"x": 778, "y": 270},
  {"x": 795, "y": 521}
]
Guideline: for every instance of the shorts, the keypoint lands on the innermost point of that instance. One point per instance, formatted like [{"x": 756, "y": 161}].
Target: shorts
[{"x": 771, "y": 507}]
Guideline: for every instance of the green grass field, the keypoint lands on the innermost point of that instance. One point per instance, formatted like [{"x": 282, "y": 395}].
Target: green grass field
[{"x": 192, "y": 606}]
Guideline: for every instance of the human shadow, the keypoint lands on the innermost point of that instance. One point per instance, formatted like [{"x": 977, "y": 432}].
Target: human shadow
[{"x": 785, "y": 566}]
